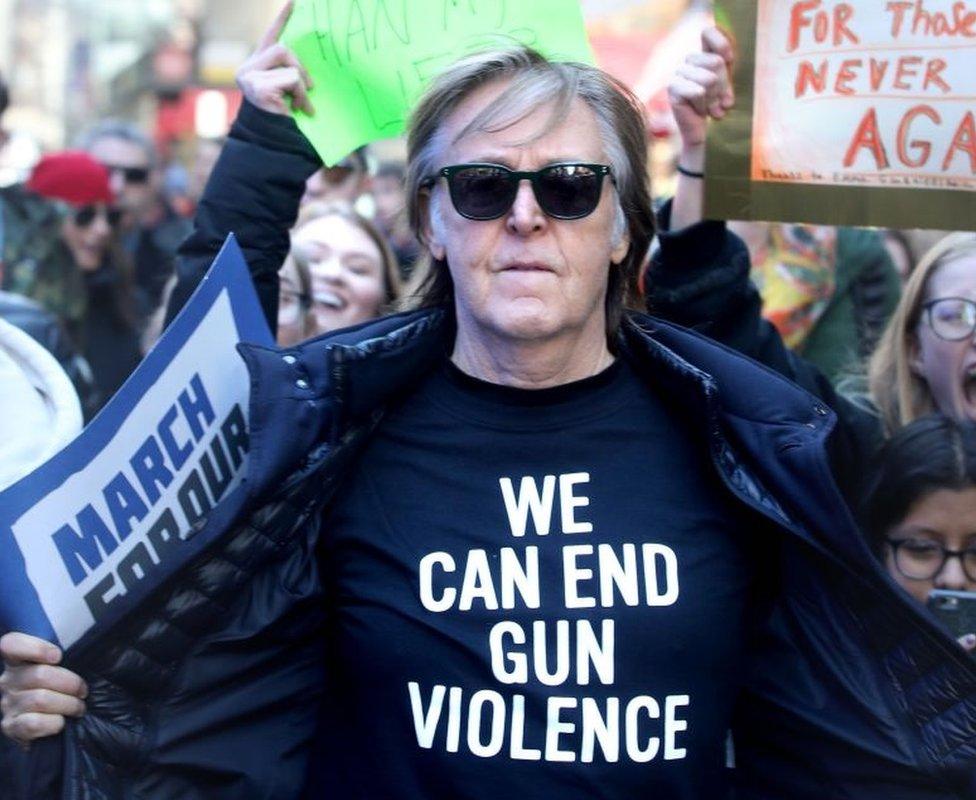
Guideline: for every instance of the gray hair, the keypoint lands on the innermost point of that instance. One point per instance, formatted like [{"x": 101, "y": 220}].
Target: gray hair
[
  {"x": 536, "y": 82},
  {"x": 118, "y": 129}
]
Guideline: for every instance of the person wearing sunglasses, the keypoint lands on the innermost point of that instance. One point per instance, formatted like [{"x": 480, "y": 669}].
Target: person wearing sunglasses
[
  {"x": 519, "y": 540},
  {"x": 151, "y": 229},
  {"x": 94, "y": 270}
]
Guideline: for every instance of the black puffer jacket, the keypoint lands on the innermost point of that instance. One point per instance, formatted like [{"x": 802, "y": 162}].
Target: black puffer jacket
[
  {"x": 699, "y": 278},
  {"x": 211, "y": 691},
  {"x": 851, "y": 691}
]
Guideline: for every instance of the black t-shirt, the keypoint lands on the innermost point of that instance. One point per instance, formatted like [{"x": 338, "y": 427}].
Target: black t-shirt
[{"x": 533, "y": 593}]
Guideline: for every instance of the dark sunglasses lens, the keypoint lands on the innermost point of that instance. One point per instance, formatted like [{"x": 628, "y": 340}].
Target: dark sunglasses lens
[
  {"x": 482, "y": 192},
  {"x": 85, "y": 216},
  {"x": 114, "y": 216},
  {"x": 569, "y": 191},
  {"x": 135, "y": 174}
]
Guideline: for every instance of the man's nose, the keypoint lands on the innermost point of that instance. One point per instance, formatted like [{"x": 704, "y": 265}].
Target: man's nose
[{"x": 525, "y": 215}]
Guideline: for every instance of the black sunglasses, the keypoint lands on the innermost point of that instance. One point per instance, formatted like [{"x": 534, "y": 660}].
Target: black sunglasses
[
  {"x": 487, "y": 191},
  {"x": 85, "y": 216},
  {"x": 130, "y": 174}
]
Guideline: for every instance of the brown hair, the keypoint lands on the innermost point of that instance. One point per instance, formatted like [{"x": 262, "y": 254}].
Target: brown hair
[
  {"x": 900, "y": 394},
  {"x": 534, "y": 82}
]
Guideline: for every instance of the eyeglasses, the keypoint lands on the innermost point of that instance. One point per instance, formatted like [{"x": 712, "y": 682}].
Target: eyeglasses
[
  {"x": 487, "y": 191},
  {"x": 923, "y": 559},
  {"x": 951, "y": 318},
  {"x": 85, "y": 216},
  {"x": 134, "y": 175}
]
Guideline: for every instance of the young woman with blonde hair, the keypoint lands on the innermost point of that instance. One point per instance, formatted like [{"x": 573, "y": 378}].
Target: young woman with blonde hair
[
  {"x": 339, "y": 272},
  {"x": 926, "y": 359}
]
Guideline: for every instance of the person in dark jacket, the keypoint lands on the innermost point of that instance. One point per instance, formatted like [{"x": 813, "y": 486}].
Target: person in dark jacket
[
  {"x": 82, "y": 277},
  {"x": 150, "y": 230},
  {"x": 495, "y": 532}
]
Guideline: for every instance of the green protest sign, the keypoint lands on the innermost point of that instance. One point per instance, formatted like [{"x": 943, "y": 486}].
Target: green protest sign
[
  {"x": 371, "y": 59},
  {"x": 848, "y": 113}
]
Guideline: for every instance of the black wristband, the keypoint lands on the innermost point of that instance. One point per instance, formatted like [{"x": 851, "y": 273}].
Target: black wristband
[{"x": 689, "y": 173}]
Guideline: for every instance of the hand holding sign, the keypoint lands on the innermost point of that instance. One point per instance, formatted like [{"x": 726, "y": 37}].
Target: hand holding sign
[
  {"x": 852, "y": 113},
  {"x": 273, "y": 74},
  {"x": 36, "y": 694},
  {"x": 702, "y": 88}
]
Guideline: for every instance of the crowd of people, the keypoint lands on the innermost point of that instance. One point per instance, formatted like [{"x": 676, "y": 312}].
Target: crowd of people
[{"x": 791, "y": 432}]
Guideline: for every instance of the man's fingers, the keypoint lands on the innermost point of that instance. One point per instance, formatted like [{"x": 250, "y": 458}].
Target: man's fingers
[
  {"x": 277, "y": 55},
  {"x": 43, "y": 676},
  {"x": 271, "y": 86},
  {"x": 19, "y": 648},
  {"x": 300, "y": 98},
  {"x": 271, "y": 35},
  {"x": 27, "y": 727},
  {"x": 41, "y": 701}
]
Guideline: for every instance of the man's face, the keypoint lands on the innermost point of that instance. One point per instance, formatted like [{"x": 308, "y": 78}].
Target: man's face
[
  {"x": 130, "y": 173},
  {"x": 526, "y": 275}
]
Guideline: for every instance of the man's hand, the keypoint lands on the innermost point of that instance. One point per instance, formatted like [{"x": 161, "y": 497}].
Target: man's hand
[
  {"x": 273, "y": 79},
  {"x": 35, "y": 694}
]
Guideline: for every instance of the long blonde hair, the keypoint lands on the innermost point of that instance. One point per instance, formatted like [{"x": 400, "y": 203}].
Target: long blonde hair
[{"x": 901, "y": 395}]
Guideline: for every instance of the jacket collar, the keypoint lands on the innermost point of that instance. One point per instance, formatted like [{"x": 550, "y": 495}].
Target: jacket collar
[{"x": 319, "y": 389}]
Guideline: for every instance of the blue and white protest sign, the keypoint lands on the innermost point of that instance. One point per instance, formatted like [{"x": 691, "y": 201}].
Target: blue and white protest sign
[{"x": 85, "y": 537}]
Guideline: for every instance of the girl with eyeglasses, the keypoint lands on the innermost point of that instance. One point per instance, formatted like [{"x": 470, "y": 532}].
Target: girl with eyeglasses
[
  {"x": 919, "y": 508},
  {"x": 926, "y": 359}
]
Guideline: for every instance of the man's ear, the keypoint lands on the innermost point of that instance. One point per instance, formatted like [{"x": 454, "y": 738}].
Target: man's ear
[
  {"x": 430, "y": 231},
  {"x": 621, "y": 245}
]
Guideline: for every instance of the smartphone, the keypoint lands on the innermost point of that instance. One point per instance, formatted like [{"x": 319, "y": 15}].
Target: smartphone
[{"x": 956, "y": 610}]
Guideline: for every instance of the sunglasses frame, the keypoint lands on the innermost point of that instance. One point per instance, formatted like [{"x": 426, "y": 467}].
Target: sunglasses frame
[
  {"x": 85, "y": 215},
  {"x": 136, "y": 176},
  {"x": 514, "y": 178}
]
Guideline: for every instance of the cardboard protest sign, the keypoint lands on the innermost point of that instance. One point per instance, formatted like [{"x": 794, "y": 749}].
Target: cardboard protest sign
[
  {"x": 371, "y": 59},
  {"x": 86, "y": 536},
  {"x": 855, "y": 113}
]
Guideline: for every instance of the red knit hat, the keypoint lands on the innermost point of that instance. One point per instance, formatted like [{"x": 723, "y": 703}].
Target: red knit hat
[{"x": 72, "y": 176}]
